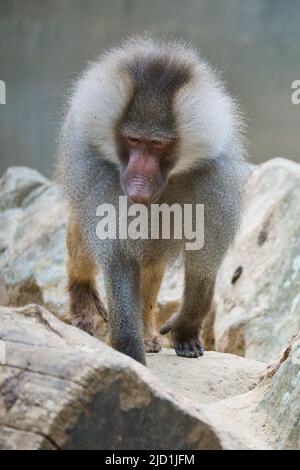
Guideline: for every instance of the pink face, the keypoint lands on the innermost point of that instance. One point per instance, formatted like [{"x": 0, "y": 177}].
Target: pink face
[{"x": 148, "y": 162}]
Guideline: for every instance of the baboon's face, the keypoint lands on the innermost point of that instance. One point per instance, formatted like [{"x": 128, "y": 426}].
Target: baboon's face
[
  {"x": 146, "y": 163},
  {"x": 147, "y": 134}
]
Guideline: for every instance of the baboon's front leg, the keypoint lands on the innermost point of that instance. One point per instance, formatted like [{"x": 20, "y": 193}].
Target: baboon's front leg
[
  {"x": 122, "y": 282},
  {"x": 85, "y": 303},
  {"x": 151, "y": 277},
  {"x": 185, "y": 327}
]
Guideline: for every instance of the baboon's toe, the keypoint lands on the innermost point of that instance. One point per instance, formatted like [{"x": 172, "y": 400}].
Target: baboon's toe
[
  {"x": 153, "y": 343},
  {"x": 190, "y": 348}
]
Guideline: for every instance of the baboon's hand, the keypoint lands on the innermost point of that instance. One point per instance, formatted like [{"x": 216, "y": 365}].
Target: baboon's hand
[{"x": 186, "y": 342}]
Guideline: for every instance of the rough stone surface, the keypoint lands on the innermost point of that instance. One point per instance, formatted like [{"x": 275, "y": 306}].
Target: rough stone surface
[
  {"x": 282, "y": 399},
  {"x": 17, "y": 183},
  {"x": 258, "y": 288},
  {"x": 32, "y": 240},
  {"x": 4, "y": 299},
  {"x": 214, "y": 377},
  {"x": 61, "y": 388}
]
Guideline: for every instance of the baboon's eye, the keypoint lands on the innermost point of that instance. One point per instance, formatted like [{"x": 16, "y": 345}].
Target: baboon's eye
[
  {"x": 158, "y": 145},
  {"x": 131, "y": 141}
]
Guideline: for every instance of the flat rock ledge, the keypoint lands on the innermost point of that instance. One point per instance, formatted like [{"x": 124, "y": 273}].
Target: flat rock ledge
[{"x": 63, "y": 389}]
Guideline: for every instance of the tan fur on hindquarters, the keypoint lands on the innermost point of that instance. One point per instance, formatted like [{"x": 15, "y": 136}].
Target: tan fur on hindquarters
[
  {"x": 85, "y": 303},
  {"x": 151, "y": 277}
]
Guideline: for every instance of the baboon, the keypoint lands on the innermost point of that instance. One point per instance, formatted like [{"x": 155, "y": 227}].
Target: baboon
[{"x": 152, "y": 121}]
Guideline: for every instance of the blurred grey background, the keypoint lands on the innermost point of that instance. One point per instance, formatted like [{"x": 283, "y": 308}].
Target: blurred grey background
[{"x": 45, "y": 44}]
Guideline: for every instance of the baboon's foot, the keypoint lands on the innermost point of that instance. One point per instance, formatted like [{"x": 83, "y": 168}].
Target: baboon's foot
[
  {"x": 85, "y": 306},
  {"x": 186, "y": 343},
  {"x": 84, "y": 322},
  {"x": 189, "y": 347},
  {"x": 153, "y": 342}
]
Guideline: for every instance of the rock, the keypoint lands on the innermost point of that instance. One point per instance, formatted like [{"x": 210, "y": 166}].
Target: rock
[
  {"x": 32, "y": 240},
  {"x": 282, "y": 399},
  {"x": 16, "y": 184},
  {"x": 214, "y": 377},
  {"x": 264, "y": 411},
  {"x": 63, "y": 389},
  {"x": 4, "y": 299},
  {"x": 257, "y": 293}
]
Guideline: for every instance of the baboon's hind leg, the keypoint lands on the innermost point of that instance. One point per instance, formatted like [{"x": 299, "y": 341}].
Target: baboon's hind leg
[
  {"x": 151, "y": 277},
  {"x": 85, "y": 303}
]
